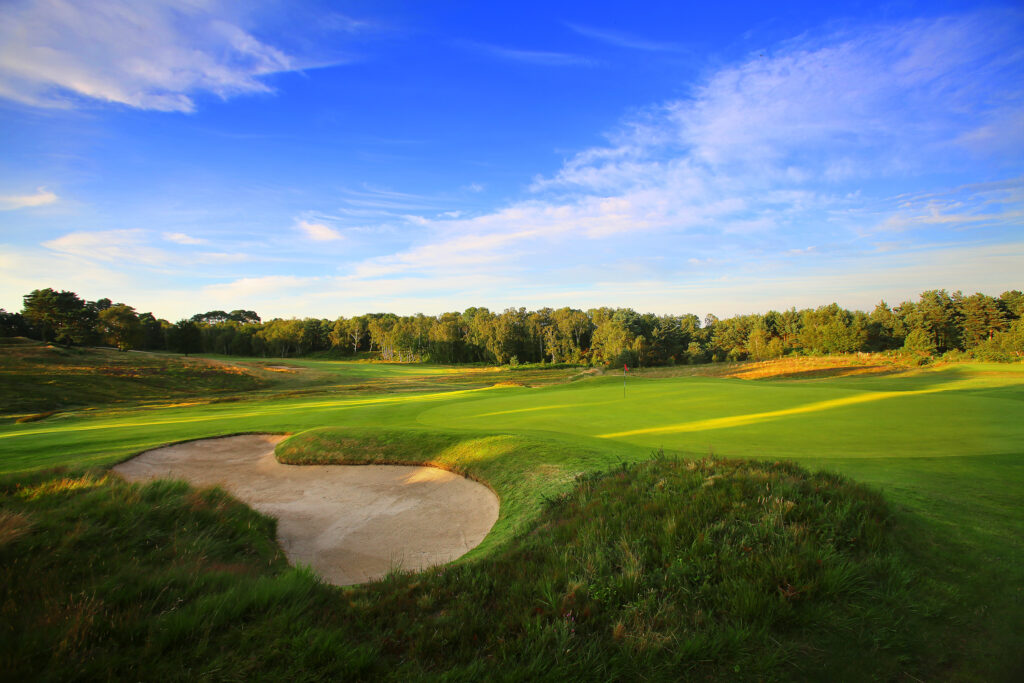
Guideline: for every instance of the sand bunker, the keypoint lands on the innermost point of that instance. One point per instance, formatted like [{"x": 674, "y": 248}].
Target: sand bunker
[{"x": 350, "y": 523}]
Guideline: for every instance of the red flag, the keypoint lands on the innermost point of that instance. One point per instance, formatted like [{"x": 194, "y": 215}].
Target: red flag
[{"x": 625, "y": 367}]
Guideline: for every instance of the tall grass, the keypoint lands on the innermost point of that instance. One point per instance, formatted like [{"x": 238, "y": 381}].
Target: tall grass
[{"x": 664, "y": 569}]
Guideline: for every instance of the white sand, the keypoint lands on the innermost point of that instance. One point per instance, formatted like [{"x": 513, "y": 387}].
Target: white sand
[{"x": 350, "y": 523}]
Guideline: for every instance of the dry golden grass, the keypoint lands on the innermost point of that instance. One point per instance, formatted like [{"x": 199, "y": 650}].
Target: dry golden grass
[
  {"x": 791, "y": 367},
  {"x": 13, "y": 525}
]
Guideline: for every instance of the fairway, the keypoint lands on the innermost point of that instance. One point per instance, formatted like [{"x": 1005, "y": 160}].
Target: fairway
[
  {"x": 943, "y": 444},
  {"x": 948, "y": 412}
]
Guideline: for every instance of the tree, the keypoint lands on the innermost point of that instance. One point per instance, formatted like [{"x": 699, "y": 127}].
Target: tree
[
  {"x": 185, "y": 337},
  {"x": 729, "y": 336},
  {"x": 445, "y": 337},
  {"x": 12, "y": 324},
  {"x": 832, "y": 329},
  {"x": 884, "y": 328},
  {"x": 757, "y": 342},
  {"x": 152, "y": 331},
  {"x": 210, "y": 317},
  {"x": 355, "y": 330},
  {"x": 119, "y": 325},
  {"x": 919, "y": 342},
  {"x": 337, "y": 336},
  {"x": 981, "y": 317},
  {"x": 240, "y": 316},
  {"x": 313, "y": 336},
  {"x": 59, "y": 316},
  {"x": 1012, "y": 303},
  {"x": 937, "y": 314},
  {"x": 283, "y": 337},
  {"x": 381, "y": 328}
]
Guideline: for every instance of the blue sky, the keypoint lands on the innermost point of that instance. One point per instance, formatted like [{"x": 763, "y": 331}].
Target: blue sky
[{"x": 325, "y": 159}]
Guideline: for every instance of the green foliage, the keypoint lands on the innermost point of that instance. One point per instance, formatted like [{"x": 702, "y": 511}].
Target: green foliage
[
  {"x": 119, "y": 325},
  {"x": 184, "y": 337},
  {"x": 920, "y": 343},
  {"x": 13, "y": 324},
  {"x": 604, "y": 337},
  {"x": 59, "y": 316}
]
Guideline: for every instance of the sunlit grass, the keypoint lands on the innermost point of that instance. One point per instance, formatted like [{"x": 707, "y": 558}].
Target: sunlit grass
[{"x": 754, "y": 418}]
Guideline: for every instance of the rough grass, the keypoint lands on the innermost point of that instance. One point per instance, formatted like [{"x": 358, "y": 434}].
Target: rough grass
[
  {"x": 37, "y": 379},
  {"x": 660, "y": 570}
]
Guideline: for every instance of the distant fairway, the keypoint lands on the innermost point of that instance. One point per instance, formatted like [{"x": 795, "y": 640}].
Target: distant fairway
[{"x": 968, "y": 410}]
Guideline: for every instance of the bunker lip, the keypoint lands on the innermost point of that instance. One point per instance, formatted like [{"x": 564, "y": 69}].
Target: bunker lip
[{"x": 351, "y": 524}]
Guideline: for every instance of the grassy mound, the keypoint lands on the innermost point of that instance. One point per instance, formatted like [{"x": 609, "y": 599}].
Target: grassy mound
[
  {"x": 664, "y": 569},
  {"x": 36, "y": 377}
]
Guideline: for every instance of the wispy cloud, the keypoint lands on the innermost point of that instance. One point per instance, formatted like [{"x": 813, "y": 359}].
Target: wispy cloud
[
  {"x": 150, "y": 55},
  {"x": 318, "y": 232},
  {"x": 626, "y": 40},
  {"x": 537, "y": 57},
  {"x": 220, "y": 257},
  {"x": 369, "y": 197},
  {"x": 182, "y": 238},
  {"x": 41, "y": 197},
  {"x": 972, "y": 206},
  {"x": 252, "y": 287},
  {"x": 124, "y": 247},
  {"x": 135, "y": 250}
]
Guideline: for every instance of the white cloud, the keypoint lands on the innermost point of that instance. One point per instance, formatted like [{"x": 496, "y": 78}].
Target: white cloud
[
  {"x": 133, "y": 250},
  {"x": 23, "y": 270},
  {"x": 182, "y": 238},
  {"x": 258, "y": 287},
  {"x": 467, "y": 252},
  {"x": 217, "y": 257},
  {"x": 41, "y": 197},
  {"x": 155, "y": 55},
  {"x": 318, "y": 232},
  {"x": 123, "y": 247}
]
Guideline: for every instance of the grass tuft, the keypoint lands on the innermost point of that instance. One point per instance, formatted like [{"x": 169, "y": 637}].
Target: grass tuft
[{"x": 13, "y": 525}]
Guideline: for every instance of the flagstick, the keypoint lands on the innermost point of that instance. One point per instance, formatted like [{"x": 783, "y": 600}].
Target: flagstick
[{"x": 624, "y": 366}]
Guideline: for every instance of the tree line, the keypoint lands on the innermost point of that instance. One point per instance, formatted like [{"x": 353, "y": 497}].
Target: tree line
[{"x": 979, "y": 326}]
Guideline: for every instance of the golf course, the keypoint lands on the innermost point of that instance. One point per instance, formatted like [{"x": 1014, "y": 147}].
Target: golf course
[{"x": 659, "y": 525}]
